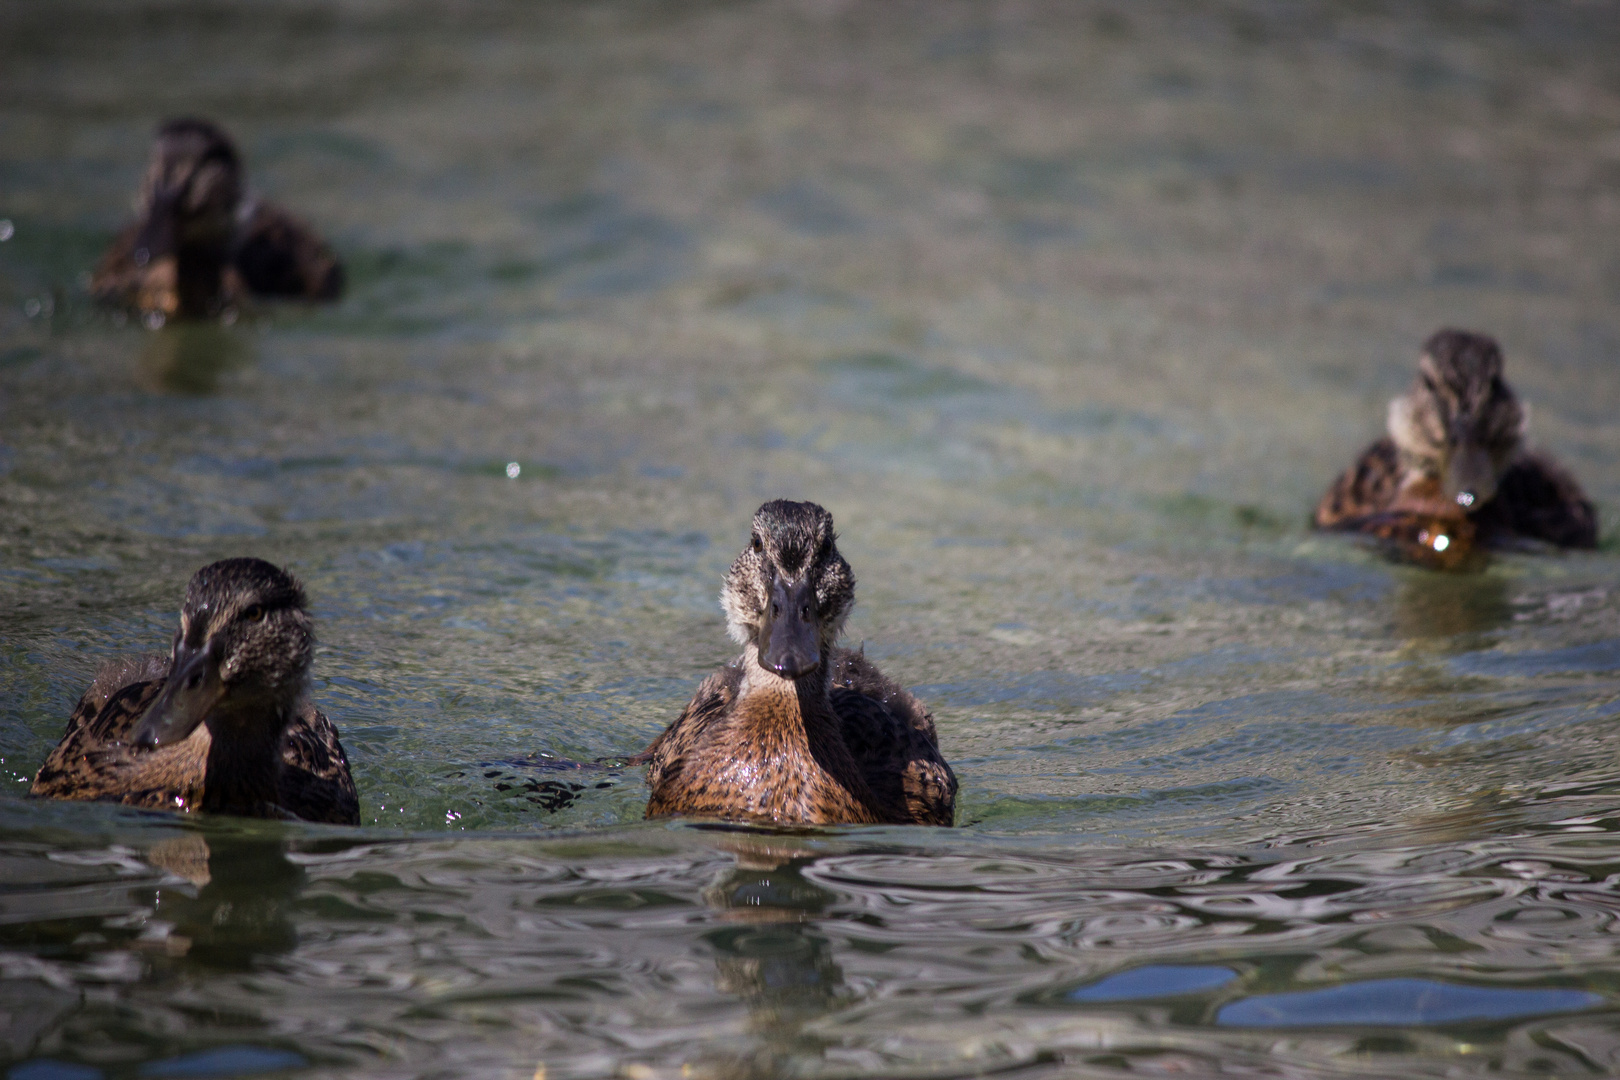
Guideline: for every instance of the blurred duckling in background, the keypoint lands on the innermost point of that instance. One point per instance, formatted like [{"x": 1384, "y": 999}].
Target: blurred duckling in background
[
  {"x": 202, "y": 244},
  {"x": 796, "y": 731},
  {"x": 1454, "y": 474},
  {"x": 224, "y": 725}
]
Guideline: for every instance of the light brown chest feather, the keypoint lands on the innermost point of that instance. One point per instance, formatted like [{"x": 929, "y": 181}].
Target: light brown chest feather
[{"x": 767, "y": 761}]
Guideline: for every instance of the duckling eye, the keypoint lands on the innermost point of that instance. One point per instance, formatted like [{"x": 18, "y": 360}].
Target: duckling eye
[
  {"x": 755, "y": 544},
  {"x": 253, "y": 613}
]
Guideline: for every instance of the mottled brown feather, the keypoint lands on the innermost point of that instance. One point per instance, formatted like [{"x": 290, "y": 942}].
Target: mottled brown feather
[
  {"x": 94, "y": 762},
  {"x": 1536, "y": 499},
  {"x": 273, "y": 254},
  {"x": 775, "y": 760}
]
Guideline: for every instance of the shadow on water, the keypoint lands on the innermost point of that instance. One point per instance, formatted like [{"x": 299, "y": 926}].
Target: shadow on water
[{"x": 192, "y": 358}]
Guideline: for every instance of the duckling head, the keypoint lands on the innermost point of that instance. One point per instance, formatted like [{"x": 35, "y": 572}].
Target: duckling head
[
  {"x": 241, "y": 655},
  {"x": 1460, "y": 423},
  {"x": 790, "y": 591},
  {"x": 189, "y": 196}
]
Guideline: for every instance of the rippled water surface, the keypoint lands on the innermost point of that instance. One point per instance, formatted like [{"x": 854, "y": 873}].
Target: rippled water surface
[{"x": 1067, "y": 312}]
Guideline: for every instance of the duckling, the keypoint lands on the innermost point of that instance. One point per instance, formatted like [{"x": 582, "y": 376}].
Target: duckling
[
  {"x": 796, "y": 731},
  {"x": 201, "y": 243},
  {"x": 1456, "y": 450},
  {"x": 224, "y": 725}
]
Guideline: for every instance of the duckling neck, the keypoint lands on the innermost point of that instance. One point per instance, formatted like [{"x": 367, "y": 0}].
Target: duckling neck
[
  {"x": 789, "y": 752},
  {"x": 199, "y": 277},
  {"x": 244, "y": 764},
  {"x": 802, "y": 706}
]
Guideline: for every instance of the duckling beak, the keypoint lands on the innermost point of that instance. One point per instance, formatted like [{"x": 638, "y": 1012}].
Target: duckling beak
[
  {"x": 159, "y": 232},
  {"x": 1470, "y": 477},
  {"x": 191, "y": 692},
  {"x": 157, "y": 261},
  {"x": 789, "y": 640}
]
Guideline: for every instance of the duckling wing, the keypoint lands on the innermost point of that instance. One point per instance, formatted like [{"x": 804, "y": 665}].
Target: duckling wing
[
  {"x": 91, "y": 761},
  {"x": 315, "y": 783},
  {"x": 116, "y": 280},
  {"x": 276, "y": 254},
  {"x": 893, "y": 741},
  {"x": 666, "y": 757},
  {"x": 110, "y": 678},
  {"x": 1366, "y": 487},
  {"x": 1537, "y": 498}
]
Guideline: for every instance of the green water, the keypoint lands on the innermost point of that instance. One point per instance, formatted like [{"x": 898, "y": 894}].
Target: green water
[{"x": 1067, "y": 312}]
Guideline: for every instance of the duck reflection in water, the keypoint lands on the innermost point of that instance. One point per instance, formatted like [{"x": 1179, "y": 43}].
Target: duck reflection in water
[
  {"x": 769, "y": 953},
  {"x": 238, "y": 902},
  {"x": 1431, "y": 607},
  {"x": 796, "y": 731},
  {"x": 202, "y": 243},
  {"x": 224, "y": 725},
  {"x": 1453, "y": 475},
  {"x": 191, "y": 358}
]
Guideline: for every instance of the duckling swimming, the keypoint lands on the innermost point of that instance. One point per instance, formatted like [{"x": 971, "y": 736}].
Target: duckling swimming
[
  {"x": 202, "y": 243},
  {"x": 224, "y": 725},
  {"x": 796, "y": 731},
  {"x": 1456, "y": 451}
]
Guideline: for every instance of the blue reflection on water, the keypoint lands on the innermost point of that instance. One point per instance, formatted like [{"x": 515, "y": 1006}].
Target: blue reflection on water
[
  {"x": 1400, "y": 1003},
  {"x": 50, "y": 1069},
  {"x": 1600, "y": 656},
  {"x": 225, "y": 1061},
  {"x": 1154, "y": 981}
]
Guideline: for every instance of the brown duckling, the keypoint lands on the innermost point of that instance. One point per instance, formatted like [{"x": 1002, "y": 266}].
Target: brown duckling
[
  {"x": 795, "y": 731},
  {"x": 1456, "y": 453},
  {"x": 203, "y": 244},
  {"x": 225, "y": 725}
]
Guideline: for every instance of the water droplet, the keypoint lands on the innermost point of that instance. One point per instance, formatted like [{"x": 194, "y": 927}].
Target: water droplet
[
  {"x": 142, "y": 256},
  {"x": 1442, "y": 542},
  {"x": 154, "y": 320},
  {"x": 31, "y": 307},
  {"x": 1465, "y": 498},
  {"x": 7, "y": 229},
  {"x": 513, "y": 470}
]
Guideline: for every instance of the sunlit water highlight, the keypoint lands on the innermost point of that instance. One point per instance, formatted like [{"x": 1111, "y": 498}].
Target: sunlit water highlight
[{"x": 1066, "y": 312}]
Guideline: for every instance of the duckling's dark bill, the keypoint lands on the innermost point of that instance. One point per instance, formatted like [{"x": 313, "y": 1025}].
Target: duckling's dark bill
[
  {"x": 1470, "y": 475},
  {"x": 789, "y": 640},
  {"x": 190, "y": 694},
  {"x": 157, "y": 236}
]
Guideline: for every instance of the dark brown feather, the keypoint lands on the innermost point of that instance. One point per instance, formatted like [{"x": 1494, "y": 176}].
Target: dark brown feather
[
  {"x": 1537, "y": 498},
  {"x": 277, "y": 254},
  {"x": 893, "y": 741}
]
